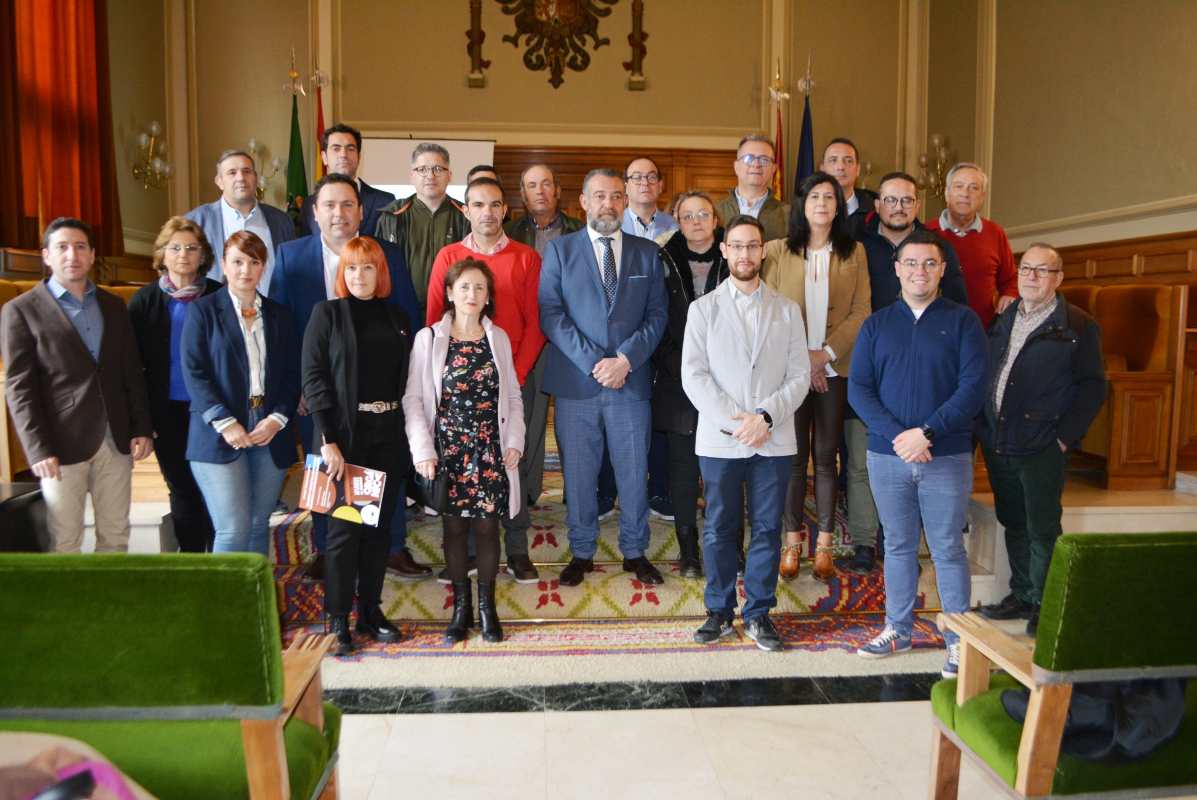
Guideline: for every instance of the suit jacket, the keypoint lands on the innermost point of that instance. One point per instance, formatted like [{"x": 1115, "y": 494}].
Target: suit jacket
[
  {"x": 298, "y": 280},
  {"x": 151, "y": 326},
  {"x": 774, "y": 215},
  {"x": 57, "y": 392},
  {"x": 582, "y": 330},
  {"x": 849, "y": 299},
  {"x": 211, "y": 219},
  {"x": 330, "y": 372},
  {"x": 423, "y": 396},
  {"x": 523, "y": 231},
  {"x": 724, "y": 374},
  {"x": 216, "y": 371},
  {"x": 373, "y": 201}
]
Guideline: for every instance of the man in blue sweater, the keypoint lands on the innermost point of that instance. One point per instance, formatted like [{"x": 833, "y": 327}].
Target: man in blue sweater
[{"x": 918, "y": 382}]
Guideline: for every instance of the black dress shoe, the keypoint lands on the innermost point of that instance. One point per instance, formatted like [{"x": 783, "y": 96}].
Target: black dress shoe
[
  {"x": 521, "y": 569},
  {"x": 689, "y": 552},
  {"x": 1033, "y": 623},
  {"x": 715, "y": 628},
  {"x": 645, "y": 571},
  {"x": 575, "y": 571},
  {"x": 1010, "y": 607},
  {"x": 863, "y": 560},
  {"x": 373, "y": 623},
  {"x": 761, "y": 631},
  {"x": 339, "y": 627}
]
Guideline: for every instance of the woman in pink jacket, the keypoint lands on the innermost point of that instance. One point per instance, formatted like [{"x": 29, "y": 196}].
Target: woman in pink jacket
[{"x": 463, "y": 403}]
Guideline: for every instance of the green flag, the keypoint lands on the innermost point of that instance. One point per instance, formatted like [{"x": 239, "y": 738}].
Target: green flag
[{"x": 297, "y": 177}]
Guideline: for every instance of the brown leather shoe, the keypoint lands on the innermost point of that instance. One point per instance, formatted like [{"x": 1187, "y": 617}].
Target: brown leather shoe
[
  {"x": 824, "y": 565},
  {"x": 406, "y": 566},
  {"x": 791, "y": 552}
]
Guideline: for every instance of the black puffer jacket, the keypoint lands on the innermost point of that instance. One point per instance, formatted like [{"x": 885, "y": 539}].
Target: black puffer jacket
[
  {"x": 1055, "y": 388},
  {"x": 672, "y": 410}
]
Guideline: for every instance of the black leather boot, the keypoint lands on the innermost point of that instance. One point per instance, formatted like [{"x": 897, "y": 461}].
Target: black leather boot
[
  {"x": 463, "y": 614},
  {"x": 339, "y": 627},
  {"x": 690, "y": 557},
  {"x": 488, "y": 614}
]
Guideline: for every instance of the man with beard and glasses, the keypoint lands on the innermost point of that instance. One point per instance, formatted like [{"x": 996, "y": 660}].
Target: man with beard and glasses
[
  {"x": 603, "y": 310},
  {"x": 746, "y": 368}
]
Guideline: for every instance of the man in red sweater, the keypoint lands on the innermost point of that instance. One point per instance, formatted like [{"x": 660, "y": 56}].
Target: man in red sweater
[
  {"x": 985, "y": 257},
  {"x": 517, "y": 280}
]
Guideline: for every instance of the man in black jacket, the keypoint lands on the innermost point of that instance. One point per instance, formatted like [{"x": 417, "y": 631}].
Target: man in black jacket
[
  {"x": 841, "y": 159},
  {"x": 1046, "y": 384}
]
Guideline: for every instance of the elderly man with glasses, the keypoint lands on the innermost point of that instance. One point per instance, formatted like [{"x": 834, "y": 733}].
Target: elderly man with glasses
[
  {"x": 1045, "y": 386},
  {"x": 755, "y": 164}
]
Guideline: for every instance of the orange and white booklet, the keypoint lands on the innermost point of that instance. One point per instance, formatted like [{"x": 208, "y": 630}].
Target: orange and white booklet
[{"x": 357, "y": 497}]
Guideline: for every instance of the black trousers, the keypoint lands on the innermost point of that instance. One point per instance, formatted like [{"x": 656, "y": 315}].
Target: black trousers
[
  {"x": 189, "y": 514},
  {"x": 820, "y": 419},
  {"x": 683, "y": 479},
  {"x": 357, "y": 554}
]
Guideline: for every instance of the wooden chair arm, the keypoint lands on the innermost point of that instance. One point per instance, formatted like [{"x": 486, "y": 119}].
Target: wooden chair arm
[
  {"x": 302, "y": 692},
  {"x": 1008, "y": 653}
]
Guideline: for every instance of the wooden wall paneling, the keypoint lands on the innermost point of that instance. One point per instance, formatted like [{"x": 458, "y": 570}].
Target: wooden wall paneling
[
  {"x": 1115, "y": 266},
  {"x": 1168, "y": 258},
  {"x": 1174, "y": 263},
  {"x": 1140, "y": 412},
  {"x": 1187, "y": 435},
  {"x": 1076, "y": 269}
]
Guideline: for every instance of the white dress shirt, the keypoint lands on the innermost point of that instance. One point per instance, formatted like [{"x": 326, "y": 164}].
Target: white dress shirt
[
  {"x": 852, "y": 203},
  {"x": 599, "y": 248},
  {"x": 254, "y": 222},
  {"x": 752, "y": 209},
  {"x": 818, "y": 283},
  {"x": 331, "y": 262},
  {"x": 255, "y": 350},
  {"x": 748, "y": 307}
]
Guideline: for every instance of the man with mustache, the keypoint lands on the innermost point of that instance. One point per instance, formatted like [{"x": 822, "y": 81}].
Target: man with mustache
[
  {"x": 603, "y": 309},
  {"x": 516, "y": 268},
  {"x": 238, "y": 209}
]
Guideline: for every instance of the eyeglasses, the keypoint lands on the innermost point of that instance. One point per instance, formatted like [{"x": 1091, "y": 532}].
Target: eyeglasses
[
  {"x": 643, "y": 177},
  {"x": 435, "y": 169},
  {"x": 751, "y": 247},
  {"x": 696, "y": 216},
  {"x": 930, "y": 265},
  {"x": 182, "y": 248},
  {"x": 748, "y": 159},
  {"x": 603, "y": 197},
  {"x": 1039, "y": 272},
  {"x": 891, "y": 201}
]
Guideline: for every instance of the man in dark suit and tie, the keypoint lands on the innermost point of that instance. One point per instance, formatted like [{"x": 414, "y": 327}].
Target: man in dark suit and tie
[
  {"x": 341, "y": 152},
  {"x": 603, "y": 309},
  {"x": 76, "y": 392},
  {"x": 305, "y": 275}
]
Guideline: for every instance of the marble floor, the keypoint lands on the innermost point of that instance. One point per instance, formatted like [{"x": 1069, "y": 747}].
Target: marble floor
[{"x": 850, "y": 751}]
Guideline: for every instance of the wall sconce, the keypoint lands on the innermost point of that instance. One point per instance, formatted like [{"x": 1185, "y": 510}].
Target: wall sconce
[
  {"x": 264, "y": 177},
  {"x": 934, "y": 165},
  {"x": 150, "y": 167}
]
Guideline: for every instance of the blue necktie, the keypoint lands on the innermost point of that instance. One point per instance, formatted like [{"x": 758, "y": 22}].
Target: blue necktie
[{"x": 609, "y": 280}]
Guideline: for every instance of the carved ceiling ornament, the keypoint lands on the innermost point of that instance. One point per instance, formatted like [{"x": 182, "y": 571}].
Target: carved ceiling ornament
[{"x": 555, "y": 33}]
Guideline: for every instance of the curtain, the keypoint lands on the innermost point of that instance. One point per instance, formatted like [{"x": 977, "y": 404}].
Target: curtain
[{"x": 64, "y": 118}]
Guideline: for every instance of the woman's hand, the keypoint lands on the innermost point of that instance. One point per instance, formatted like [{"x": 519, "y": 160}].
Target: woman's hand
[
  {"x": 236, "y": 437},
  {"x": 818, "y": 370},
  {"x": 264, "y": 431},
  {"x": 427, "y": 469},
  {"x": 334, "y": 462},
  {"x": 511, "y": 458}
]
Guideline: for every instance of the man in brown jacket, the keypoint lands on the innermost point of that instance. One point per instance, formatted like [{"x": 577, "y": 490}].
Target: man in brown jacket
[
  {"x": 754, "y": 165},
  {"x": 75, "y": 391}
]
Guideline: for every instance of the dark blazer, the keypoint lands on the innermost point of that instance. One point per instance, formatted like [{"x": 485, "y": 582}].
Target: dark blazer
[
  {"x": 210, "y": 217},
  {"x": 216, "y": 371},
  {"x": 330, "y": 363},
  {"x": 523, "y": 231},
  {"x": 150, "y": 315},
  {"x": 672, "y": 409},
  {"x": 581, "y": 329},
  {"x": 1056, "y": 386},
  {"x": 883, "y": 280},
  {"x": 57, "y": 394},
  {"x": 373, "y": 201},
  {"x": 865, "y": 205},
  {"x": 298, "y": 280}
]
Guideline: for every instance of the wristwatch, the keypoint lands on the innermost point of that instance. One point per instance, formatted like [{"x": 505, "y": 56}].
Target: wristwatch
[
  {"x": 765, "y": 414},
  {"x": 928, "y": 433}
]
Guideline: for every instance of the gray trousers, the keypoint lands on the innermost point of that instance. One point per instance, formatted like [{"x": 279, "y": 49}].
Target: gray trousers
[{"x": 862, "y": 511}]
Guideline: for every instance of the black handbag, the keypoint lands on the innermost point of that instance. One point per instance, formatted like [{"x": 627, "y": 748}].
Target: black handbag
[{"x": 433, "y": 493}]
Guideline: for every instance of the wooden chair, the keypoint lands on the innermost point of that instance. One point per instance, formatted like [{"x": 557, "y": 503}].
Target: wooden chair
[{"x": 1087, "y": 632}]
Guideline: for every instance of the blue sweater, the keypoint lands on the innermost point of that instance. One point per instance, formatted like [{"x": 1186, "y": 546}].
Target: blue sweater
[{"x": 907, "y": 373}]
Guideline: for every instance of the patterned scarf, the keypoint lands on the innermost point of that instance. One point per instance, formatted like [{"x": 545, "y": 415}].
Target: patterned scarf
[{"x": 184, "y": 295}]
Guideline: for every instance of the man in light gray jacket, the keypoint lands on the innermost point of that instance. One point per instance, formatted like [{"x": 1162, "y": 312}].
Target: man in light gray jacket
[{"x": 746, "y": 369}]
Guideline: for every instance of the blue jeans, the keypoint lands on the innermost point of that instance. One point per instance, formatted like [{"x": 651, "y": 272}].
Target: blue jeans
[
  {"x": 938, "y": 493},
  {"x": 767, "y": 478},
  {"x": 240, "y": 496},
  {"x": 583, "y": 426}
]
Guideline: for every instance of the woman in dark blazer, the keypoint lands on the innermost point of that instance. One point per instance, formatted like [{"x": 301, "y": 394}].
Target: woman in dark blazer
[
  {"x": 694, "y": 246},
  {"x": 241, "y": 367},
  {"x": 182, "y": 256},
  {"x": 355, "y": 354}
]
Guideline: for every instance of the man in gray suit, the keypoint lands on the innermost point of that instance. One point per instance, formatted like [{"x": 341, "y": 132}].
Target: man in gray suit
[
  {"x": 745, "y": 367},
  {"x": 238, "y": 209}
]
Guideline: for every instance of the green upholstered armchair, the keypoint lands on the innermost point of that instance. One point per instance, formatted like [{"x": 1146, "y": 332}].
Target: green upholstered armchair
[
  {"x": 171, "y": 666},
  {"x": 1115, "y": 607}
]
